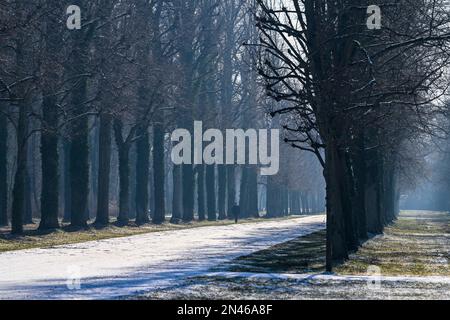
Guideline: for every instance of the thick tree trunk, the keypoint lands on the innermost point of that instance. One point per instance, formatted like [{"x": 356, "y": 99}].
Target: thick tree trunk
[
  {"x": 124, "y": 185},
  {"x": 50, "y": 163},
  {"x": 79, "y": 144},
  {"x": 142, "y": 176},
  {"x": 158, "y": 172},
  {"x": 336, "y": 238},
  {"x": 3, "y": 169},
  {"x": 79, "y": 163},
  {"x": 360, "y": 184},
  {"x": 18, "y": 201},
  {"x": 372, "y": 195},
  {"x": 104, "y": 169},
  {"x": 123, "y": 149},
  {"x": 28, "y": 216},
  {"x": 67, "y": 193}
]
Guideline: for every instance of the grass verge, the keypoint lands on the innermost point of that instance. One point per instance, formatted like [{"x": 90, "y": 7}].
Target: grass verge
[{"x": 417, "y": 244}]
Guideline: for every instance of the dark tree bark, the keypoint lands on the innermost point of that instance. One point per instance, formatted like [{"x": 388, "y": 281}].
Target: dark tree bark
[
  {"x": 142, "y": 176},
  {"x": 211, "y": 192},
  {"x": 222, "y": 177},
  {"x": 18, "y": 204},
  {"x": 67, "y": 193},
  {"x": 252, "y": 202},
  {"x": 123, "y": 148},
  {"x": 79, "y": 143},
  {"x": 3, "y": 168},
  {"x": 49, "y": 134},
  {"x": 79, "y": 160},
  {"x": 159, "y": 216},
  {"x": 243, "y": 193},
  {"x": 104, "y": 169},
  {"x": 19, "y": 189},
  {"x": 50, "y": 164},
  {"x": 176, "y": 195},
  {"x": 28, "y": 217},
  {"x": 271, "y": 198},
  {"x": 201, "y": 192},
  {"x": 231, "y": 189},
  {"x": 188, "y": 192}
]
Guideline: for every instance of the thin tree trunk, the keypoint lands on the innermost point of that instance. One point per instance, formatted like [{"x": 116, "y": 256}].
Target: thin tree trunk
[
  {"x": 222, "y": 175},
  {"x": 252, "y": 204},
  {"x": 176, "y": 197},
  {"x": 243, "y": 193},
  {"x": 211, "y": 192},
  {"x": 231, "y": 189},
  {"x": 201, "y": 193}
]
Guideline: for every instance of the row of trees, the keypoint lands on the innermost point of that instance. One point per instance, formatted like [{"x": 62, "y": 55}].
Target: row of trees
[
  {"x": 360, "y": 99},
  {"x": 86, "y": 113}
]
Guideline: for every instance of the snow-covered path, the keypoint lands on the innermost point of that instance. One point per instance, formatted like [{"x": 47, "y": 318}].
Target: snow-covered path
[{"x": 126, "y": 266}]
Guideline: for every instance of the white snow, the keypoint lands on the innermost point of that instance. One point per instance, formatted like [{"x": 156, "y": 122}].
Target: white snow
[{"x": 118, "y": 267}]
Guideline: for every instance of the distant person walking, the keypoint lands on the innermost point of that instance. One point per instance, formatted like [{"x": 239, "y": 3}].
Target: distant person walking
[{"x": 236, "y": 212}]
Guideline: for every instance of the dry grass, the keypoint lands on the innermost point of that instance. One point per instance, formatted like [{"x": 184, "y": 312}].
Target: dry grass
[{"x": 418, "y": 244}]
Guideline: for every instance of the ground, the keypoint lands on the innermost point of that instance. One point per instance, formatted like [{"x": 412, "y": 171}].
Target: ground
[
  {"x": 268, "y": 260},
  {"x": 412, "y": 257},
  {"x": 127, "y": 266}
]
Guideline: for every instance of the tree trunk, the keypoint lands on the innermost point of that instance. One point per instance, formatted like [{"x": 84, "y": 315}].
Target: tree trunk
[
  {"x": 67, "y": 193},
  {"x": 211, "y": 192},
  {"x": 176, "y": 197},
  {"x": 188, "y": 192},
  {"x": 252, "y": 202},
  {"x": 104, "y": 169},
  {"x": 18, "y": 204},
  {"x": 3, "y": 169},
  {"x": 124, "y": 174},
  {"x": 201, "y": 192},
  {"x": 18, "y": 196},
  {"x": 336, "y": 238},
  {"x": 244, "y": 193},
  {"x": 79, "y": 144},
  {"x": 79, "y": 163},
  {"x": 142, "y": 176},
  {"x": 271, "y": 198},
  {"x": 158, "y": 172},
  {"x": 222, "y": 175},
  {"x": 231, "y": 189},
  {"x": 50, "y": 163}
]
